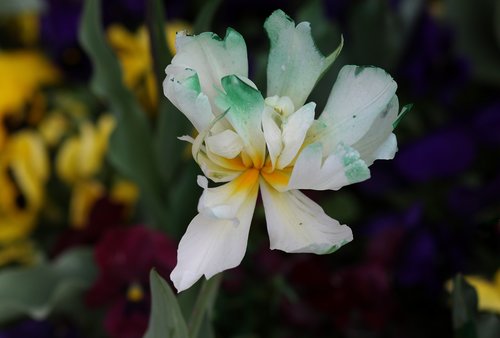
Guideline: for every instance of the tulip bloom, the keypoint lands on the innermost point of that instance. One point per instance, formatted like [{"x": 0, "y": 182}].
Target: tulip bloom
[{"x": 249, "y": 143}]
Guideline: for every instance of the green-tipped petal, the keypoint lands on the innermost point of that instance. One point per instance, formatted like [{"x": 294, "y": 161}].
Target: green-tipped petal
[
  {"x": 182, "y": 88},
  {"x": 211, "y": 57},
  {"x": 295, "y": 64},
  {"x": 343, "y": 167},
  {"x": 245, "y": 105}
]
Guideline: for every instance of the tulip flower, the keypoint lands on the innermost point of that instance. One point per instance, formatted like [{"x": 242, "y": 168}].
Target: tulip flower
[{"x": 247, "y": 142}]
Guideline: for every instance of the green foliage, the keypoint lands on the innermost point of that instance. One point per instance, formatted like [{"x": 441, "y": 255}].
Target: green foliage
[
  {"x": 464, "y": 302},
  {"x": 344, "y": 205},
  {"x": 131, "y": 144},
  {"x": 166, "y": 319},
  {"x": 405, "y": 110},
  {"x": 204, "y": 20},
  {"x": 496, "y": 20},
  {"x": 467, "y": 322},
  {"x": 476, "y": 35},
  {"x": 382, "y": 32},
  {"x": 170, "y": 122},
  {"x": 13, "y": 7},
  {"x": 39, "y": 290},
  {"x": 488, "y": 325},
  {"x": 201, "y": 317}
]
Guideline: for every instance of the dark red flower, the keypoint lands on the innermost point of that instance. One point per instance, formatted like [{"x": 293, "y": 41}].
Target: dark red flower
[
  {"x": 124, "y": 257},
  {"x": 105, "y": 214}
]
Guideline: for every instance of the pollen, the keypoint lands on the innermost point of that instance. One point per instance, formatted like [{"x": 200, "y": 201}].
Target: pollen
[
  {"x": 135, "y": 293},
  {"x": 282, "y": 105}
]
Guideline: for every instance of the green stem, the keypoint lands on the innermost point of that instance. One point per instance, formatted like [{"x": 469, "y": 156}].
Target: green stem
[{"x": 204, "y": 304}]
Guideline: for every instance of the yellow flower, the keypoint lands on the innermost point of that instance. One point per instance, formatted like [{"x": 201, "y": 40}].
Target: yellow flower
[
  {"x": 24, "y": 169},
  {"x": 23, "y": 73},
  {"x": 24, "y": 26},
  {"x": 133, "y": 50},
  {"x": 85, "y": 194},
  {"x": 81, "y": 156},
  {"x": 22, "y": 252},
  {"x": 28, "y": 25},
  {"x": 79, "y": 160},
  {"x": 488, "y": 292},
  {"x": 53, "y": 127},
  {"x": 124, "y": 192}
]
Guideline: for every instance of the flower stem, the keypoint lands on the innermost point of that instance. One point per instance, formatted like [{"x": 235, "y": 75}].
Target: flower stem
[{"x": 204, "y": 304}]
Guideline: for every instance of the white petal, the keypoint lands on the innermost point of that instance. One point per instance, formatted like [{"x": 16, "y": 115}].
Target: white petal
[
  {"x": 182, "y": 88},
  {"x": 379, "y": 143},
  {"x": 272, "y": 134},
  {"x": 213, "y": 241},
  {"x": 296, "y": 224},
  {"x": 360, "y": 96},
  {"x": 211, "y": 57},
  {"x": 226, "y": 144},
  {"x": 295, "y": 64},
  {"x": 294, "y": 133},
  {"x": 186, "y": 138},
  {"x": 386, "y": 150},
  {"x": 214, "y": 171},
  {"x": 344, "y": 166}
]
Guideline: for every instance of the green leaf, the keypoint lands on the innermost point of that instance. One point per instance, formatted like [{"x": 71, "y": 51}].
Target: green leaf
[
  {"x": 183, "y": 198},
  {"x": 474, "y": 23},
  {"x": 39, "y": 290},
  {"x": 14, "y": 7},
  {"x": 204, "y": 20},
  {"x": 166, "y": 319},
  {"x": 344, "y": 205},
  {"x": 464, "y": 307},
  {"x": 155, "y": 20},
  {"x": 488, "y": 325},
  {"x": 203, "y": 307},
  {"x": 131, "y": 148},
  {"x": 497, "y": 23},
  {"x": 406, "y": 109},
  {"x": 170, "y": 123},
  {"x": 375, "y": 28}
]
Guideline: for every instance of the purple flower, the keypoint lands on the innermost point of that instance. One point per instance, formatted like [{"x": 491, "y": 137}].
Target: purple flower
[
  {"x": 39, "y": 329},
  {"x": 418, "y": 253},
  {"x": 430, "y": 68},
  {"x": 383, "y": 179},
  {"x": 444, "y": 153},
  {"x": 487, "y": 125},
  {"x": 59, "y": 33},
  {"x": 419, "y": 264},
  {"x": 469, "y": 201},
  {"x": 59, "y": 30}
]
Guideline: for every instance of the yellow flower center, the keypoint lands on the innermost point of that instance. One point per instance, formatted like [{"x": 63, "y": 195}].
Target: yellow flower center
[{"x": 135, "y": 293}]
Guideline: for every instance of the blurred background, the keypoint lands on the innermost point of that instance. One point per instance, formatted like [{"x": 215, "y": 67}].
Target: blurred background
[{"x": 95, "y": 189}]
